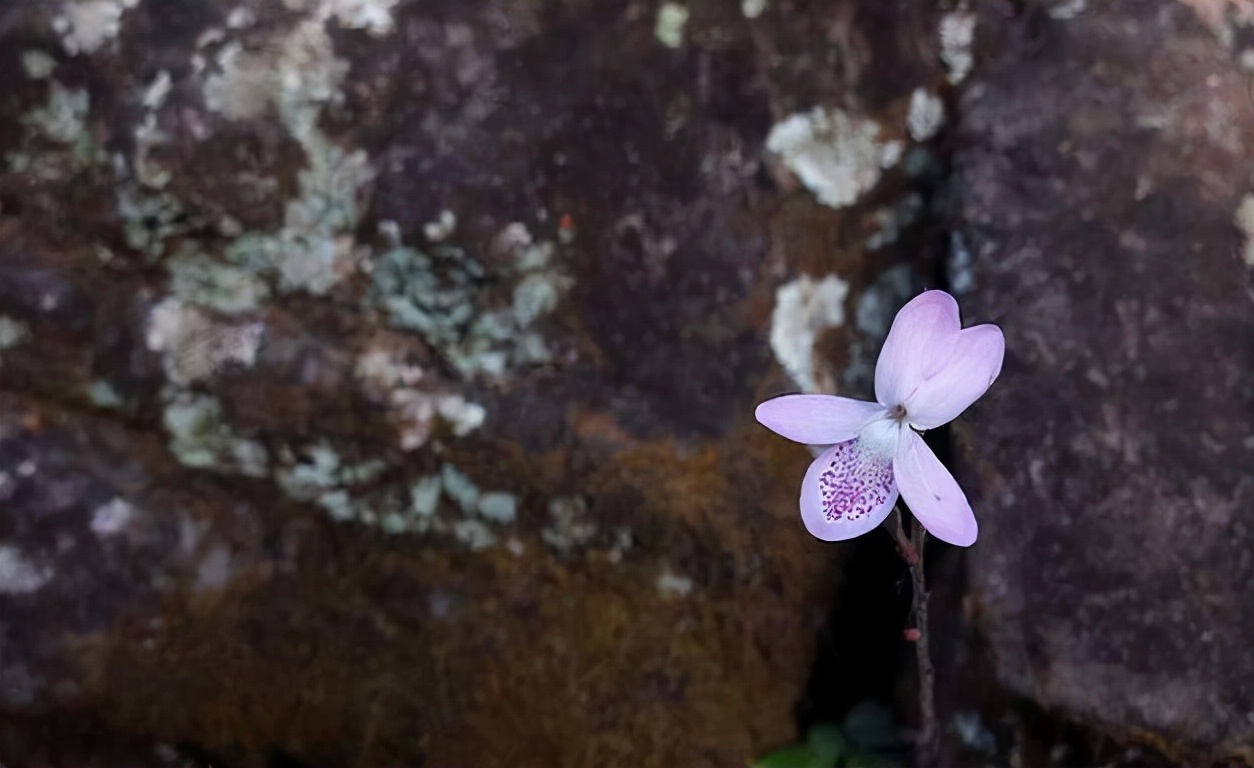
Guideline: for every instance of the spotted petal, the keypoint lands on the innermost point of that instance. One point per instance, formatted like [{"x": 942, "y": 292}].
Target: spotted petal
[
  {"x": 815, "y": 419},
  {"x": 847, "y": 492},
  {"x": 921, "y": 339},
  {"x": 962, "y": 379},
  {"x": 932, "y": 493}
]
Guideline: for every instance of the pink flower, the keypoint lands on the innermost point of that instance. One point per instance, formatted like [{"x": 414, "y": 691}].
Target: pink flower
[{"x": 929, "y": 371}]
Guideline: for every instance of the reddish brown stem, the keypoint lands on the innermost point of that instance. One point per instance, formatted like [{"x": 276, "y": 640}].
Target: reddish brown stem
[{"x": 911, "y": 549}]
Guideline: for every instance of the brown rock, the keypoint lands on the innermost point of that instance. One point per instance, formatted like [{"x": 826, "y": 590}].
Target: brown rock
[
  {"x": 1103, "y": 159},
  {"x": 293, "y": 459}
]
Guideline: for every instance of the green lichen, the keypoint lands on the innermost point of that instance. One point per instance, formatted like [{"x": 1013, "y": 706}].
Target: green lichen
[
  {"x": 57, "y": 141},
  {"x": 150, "y": 218},
  {"x": 103, "y": 395},
  {"x": 320, "y": 473},
  {"x": 459, "y": 487},
  {"x": 442, "y": 294},
  {"x": 200, "y": 279},
  {"x": 425, "y": 496},
  {"x": 200, "y": 438},
  {"x": 498, "y": 507}
]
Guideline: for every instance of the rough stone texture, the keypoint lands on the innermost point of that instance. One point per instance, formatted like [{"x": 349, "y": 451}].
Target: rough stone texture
[
  {"x": 1102, "y": 160},
  {"x": 376, "y": 377}
]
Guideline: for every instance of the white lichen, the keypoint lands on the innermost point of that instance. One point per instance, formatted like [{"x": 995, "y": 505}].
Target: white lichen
[
  {"x": 752, "y": 8},
  {"x": 926, "y": 115},
  {"x": 194, "y": 345},
  {"x": 414, "y": 403},
  {"x": 673, "y": 585},
  {"x": 374, "y": 16},
  {"x": 804, "y": 309},
  {"x": 1064, "y": 10},
  {"x": 12, "y": 332},
  {"x": 836, "y": 156},
  {"x": 112, "y": 517},
  {"x": 297, "y": 74},
  {"x": 957, "y": 36},
  {"x": 1244, "y": 220},
  {"x": 85, "y": 26},
  {"x": 18, "y": 575},
  {"x": 38, "y": 65},
  {"x": 670, "y": 23},
  {"x": 442, "y": 228}
]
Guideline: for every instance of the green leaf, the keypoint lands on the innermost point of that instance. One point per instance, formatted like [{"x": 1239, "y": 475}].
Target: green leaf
[
  {"x": 827, "y": 744},
  {"x": 797, "y": 756}
]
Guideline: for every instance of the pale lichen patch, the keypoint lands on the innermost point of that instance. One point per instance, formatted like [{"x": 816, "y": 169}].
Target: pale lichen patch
[
  {"x": 752, "y": 8},
  {"x": 297, "y": 74},
  {"x": 804, "y": 309},
  {"x": 12, "y": 332},
  {"x": 498, "y": 507},
  {"x": 195, "y": 345},
  {"x": 200, "y": 438},
  {"x": 1244, "y": 220},
  {"x": 373, "y": 16},
  {"x": 63, "y": 117},
  {"x": 38, "y": 65},
  {"x": 926, "y": 115},
  {"x": 673, "y": 585},
  {"x": 442, "y": 295},
  {"x": 112, "y": 517},
  {"x": 415, "y": 403},
  {"x": 569, "y": 525},
  {"x": 957, "y": 37},
  {"x": 836, "y": 156},
  {"x": 670, "y": 23},
  {"x": 85, "y": 26},
  {"x": 18, "y": 575}
]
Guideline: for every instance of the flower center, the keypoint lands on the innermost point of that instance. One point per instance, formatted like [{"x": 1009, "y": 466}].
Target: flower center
[
  {"x": 879, "y": 437},
  {"x": 897, "y": 412}
]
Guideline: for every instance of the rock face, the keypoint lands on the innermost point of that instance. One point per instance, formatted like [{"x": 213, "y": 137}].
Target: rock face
[
  {"x": 377, "y": 375},
  {"x": 1103, "y": 161}
]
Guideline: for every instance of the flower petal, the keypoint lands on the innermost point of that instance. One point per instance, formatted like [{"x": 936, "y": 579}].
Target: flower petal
[
  {"x": 932, "y": 493},
  {"x": 815, "y": 419},
  {"x": 846, "y": 492},
  {"x": 922, "y": 337},
  {"x": 967, "y": 374}
]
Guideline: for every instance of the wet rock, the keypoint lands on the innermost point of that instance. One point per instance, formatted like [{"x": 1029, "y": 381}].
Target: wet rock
[{"x": 1104, "y": 155}]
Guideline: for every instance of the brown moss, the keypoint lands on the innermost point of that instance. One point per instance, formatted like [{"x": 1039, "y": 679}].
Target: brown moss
[{"x": 396, "y": 650}]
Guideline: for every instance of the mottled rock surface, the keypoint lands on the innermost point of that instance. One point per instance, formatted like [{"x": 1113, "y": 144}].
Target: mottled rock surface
[
  {"x": 376, "y": 377},
  {"x": 1104, "y": 165}
]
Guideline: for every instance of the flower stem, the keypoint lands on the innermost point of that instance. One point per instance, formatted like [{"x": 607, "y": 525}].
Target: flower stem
[{"x": 911, "y": 549}]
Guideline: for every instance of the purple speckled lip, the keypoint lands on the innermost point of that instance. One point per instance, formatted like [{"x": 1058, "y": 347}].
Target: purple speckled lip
[{"x": 855, "y": 483}]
